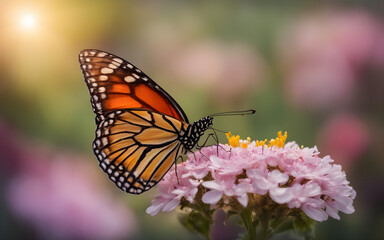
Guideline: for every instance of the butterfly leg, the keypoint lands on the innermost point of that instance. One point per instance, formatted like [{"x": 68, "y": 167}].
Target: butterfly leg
[{"x": 217, "y": 142}]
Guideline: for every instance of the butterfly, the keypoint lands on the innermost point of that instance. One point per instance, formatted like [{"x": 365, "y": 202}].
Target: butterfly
[{"x": 141, "y": 130}]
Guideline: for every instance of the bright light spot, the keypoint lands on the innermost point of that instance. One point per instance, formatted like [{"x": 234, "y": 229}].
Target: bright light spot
[{"x": 28, "y": 21}]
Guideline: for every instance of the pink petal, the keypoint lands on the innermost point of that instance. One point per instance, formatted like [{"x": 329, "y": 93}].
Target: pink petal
[
  {"x": 200, "y": 173},
  {"x": 315, "y": 213},
  {"x": 344, "y": 204},
  {"x": 212, "y": 197},
  {"x": 243, "y": 200},
  {"x": 278, "y": 177},
  {"x": 171, "y": 205},
  {"x": 212, "y": 185},
  {"x": 281, "y": 195},
  {"x": 332, "y": 211},
  {"x": 155, "y": 209}
]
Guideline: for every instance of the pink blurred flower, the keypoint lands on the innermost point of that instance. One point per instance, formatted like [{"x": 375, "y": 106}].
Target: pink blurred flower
[
  {"x": 60, "y": 196},
  {"x": 345, "y": 137},
  {"x": 350, "y": 34},
  {"x": 289, "y": 175},
  {"x": 322, "y": 54},
  {"x": 322, "y": 84},
  {"x": 226, "y": 70}
]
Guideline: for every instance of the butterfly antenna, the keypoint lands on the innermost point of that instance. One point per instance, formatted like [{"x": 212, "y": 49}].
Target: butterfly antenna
[
  {"x": 234, "y": 113},
  {"x": 215, "y": 129}
]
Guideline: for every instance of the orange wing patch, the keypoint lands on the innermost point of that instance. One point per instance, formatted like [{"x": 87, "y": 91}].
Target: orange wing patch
[{"x": 115, "y": 84}]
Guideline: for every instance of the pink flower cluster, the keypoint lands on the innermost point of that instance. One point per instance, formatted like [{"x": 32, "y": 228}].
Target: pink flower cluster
[
  {"x": 290, "y": 175},
  {"x": 60, "y": 195}
]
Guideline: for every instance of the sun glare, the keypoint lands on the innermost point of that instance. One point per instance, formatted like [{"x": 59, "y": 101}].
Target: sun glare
[{"x": 28, "y": 21}]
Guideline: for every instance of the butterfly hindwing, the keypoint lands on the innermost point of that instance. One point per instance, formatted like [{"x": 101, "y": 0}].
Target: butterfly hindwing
[
  {"x": 136, "y": 147},
  {"x": 116, "y": 84}
]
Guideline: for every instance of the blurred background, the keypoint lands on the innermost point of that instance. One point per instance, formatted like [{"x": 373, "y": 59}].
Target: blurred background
[{"x": 312, "y": 68}]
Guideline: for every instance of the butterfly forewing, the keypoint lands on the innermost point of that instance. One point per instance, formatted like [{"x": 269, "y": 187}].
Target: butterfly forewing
[
  {"x": 136, "y": 147},
  {"x": 115, "y": 84}
]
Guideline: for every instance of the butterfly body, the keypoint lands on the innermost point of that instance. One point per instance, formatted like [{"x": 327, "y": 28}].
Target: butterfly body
[
  {"x": 141, "y": 130},
  {"x": 194, "y": 132}
]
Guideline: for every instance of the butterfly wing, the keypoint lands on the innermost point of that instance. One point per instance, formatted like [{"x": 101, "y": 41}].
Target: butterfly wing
[
  {"x": 136, "y": 147},
  {"x": 116, "y": 84}
]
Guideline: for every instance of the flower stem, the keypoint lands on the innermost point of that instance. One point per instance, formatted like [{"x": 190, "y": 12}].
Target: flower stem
[
  {"x": 246, "y": 216},
  {"x": 265, "y": 224}
]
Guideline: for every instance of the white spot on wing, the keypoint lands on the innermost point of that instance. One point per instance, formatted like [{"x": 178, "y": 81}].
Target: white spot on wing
[
  {"x": 106, "y": 70},
  {"x": 103, "y": 77},
  {"x": 103, "y": 166},
  {"x": 129, "y": 79},
  {"x": 101, "y": 89},
  {"x": 102, "y": 54},
  {"x": 113, "y": 66},
  {"x": 118, "y": 60}
]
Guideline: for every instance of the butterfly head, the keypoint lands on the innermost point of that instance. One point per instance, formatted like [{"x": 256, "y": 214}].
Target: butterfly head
[{"x": 203, "y": 124}]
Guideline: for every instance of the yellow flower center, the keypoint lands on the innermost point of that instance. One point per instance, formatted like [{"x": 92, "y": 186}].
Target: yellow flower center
[{"x": 234, "y": 141}]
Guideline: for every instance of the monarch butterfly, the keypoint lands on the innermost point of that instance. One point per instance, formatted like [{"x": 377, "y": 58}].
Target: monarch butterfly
[{"x": 141, "y": 130}]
